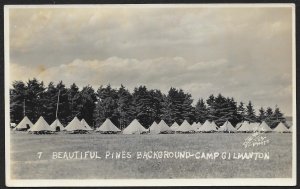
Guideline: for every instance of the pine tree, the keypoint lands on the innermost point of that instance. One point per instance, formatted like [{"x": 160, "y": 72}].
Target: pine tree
[
  {"x": 211, "y": 116},
  {"x": 88, "y": 99},
  {"x": 33, "y": 102},
  {"x": 277, "y": 117},
  {"x": 241, "y": 112},
  {"x": 250, "y": 113},
  {"x": 144, "y": 110},
  {"x": 74, "y": 100},
  {"x": 201, "y": 111},
  {"x": 125, "y": 107},
  {"x": 106, "y": 106},
  {"x": 262, "y": 115},
  {"x": 49, "y": 103},
  {"x": 17, "y": 101},
  {"x": 63, "y": 113}
]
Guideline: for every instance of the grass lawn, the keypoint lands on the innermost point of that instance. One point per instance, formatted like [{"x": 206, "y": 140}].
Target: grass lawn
[{"x": 27, "y": 165}]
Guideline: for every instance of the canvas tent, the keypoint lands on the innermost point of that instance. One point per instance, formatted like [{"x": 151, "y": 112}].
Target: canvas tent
[
  {"x": 245, "y": 127},
  {"x": 86, "y": 125},
  {"x": 24, "y": 125},
  {"x": 162, "y": 127},
  {"x": 185, "y": 127},
  {"x": 134, "y": 128},
  {"x": 253, "y": 127},
  {"x": 41, "y": 126},
  {"x": 75, "y": 126},
  {"x": 290, "y": 129},
  {"x": 174, "y": 126},
  {"x": 281, "y": 128},
  {"x": 263, "y": 127},
  {"x": 57, "y": 126},
  {"x": 227, "y": 127},
  {"x": 196, "y": 126},
  {"x": 208, "y": 127},
  {"x": 108, "y": 127}
]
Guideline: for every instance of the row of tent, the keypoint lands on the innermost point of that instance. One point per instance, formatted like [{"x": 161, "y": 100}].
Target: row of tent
[{"x": 76, "y": 126}]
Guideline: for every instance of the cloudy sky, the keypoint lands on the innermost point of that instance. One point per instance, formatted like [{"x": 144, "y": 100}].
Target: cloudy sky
[{"x": 245, "y": 53}]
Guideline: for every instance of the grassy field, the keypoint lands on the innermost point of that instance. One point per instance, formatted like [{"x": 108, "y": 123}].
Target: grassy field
[{"x": 27, "y": 165}]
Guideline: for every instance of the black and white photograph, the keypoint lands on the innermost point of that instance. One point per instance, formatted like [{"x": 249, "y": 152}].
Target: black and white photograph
[{"x": 150, "y": 95}]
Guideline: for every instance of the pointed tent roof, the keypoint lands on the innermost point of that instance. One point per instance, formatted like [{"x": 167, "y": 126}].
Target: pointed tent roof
[
  {"x": 108, "y": 126},
  {"x": 164, "y": 127},
  {"x": 174, "y": 126},
  {"x": 57, "y": 123},
  {"x": 185, "y": 127},
  {"x": 281, "y": 128},
  {"x": 195, "y": 126},
  {"x": 263, "y": 127},
  {"x": 134, "y": 128},
  {"x": 86, "y": 125},
  {"x": 227, "y": 126},
  {"x": 254, "y": 126},
  {"x": 208, "y": 126},
  {"x": 290, "y": 129},
  {"x": 245, "y": 127},
  {"x": 75, "y": 125},
  {"x": 154, "y": 127},
  {"x": 40, "y": 125},
  {"x": 23, "y": 123}
]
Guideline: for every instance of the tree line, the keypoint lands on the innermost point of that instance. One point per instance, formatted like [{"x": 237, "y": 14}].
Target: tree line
[{"x": 121, "y": 106}]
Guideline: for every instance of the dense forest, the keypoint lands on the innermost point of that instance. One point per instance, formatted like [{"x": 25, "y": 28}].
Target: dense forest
[{"x": 122, "y": 106}]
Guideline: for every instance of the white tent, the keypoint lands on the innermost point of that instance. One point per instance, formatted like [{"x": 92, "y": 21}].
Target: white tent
[
  {"x": 263, "y": 127},
  {"x": 227, "y": 127},
  {"x": 174, "y": 126},
  {"x": 281, "y": 128},
  {"x": 196, "y": 126},
  {"x": 253, "y": 127},
  {"x": 134, "y": 128},
  {"x": 41, "y": 126},
  {"x": 290, "y": 129},
  {"x": 238, "y": 125},
  {"x": 245, "y": 127},
  {"x": 185, "y": 127},
  {"x": 25, "y": 124},
  {"x": 86, "y": 125},
  {"x": 75, "y": 126},
  {"x": 108, "y": 127},
  {"x": 162, "y": 127},
  {"x": 208, "y": 127},
  {"x": 57, "y": 126}
]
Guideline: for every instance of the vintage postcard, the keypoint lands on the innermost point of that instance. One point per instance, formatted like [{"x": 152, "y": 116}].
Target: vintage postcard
[{"x": 150, "y": 95}]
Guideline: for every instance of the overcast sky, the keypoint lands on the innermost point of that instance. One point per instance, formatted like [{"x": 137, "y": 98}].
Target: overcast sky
[{"x": 245, "y": 53}]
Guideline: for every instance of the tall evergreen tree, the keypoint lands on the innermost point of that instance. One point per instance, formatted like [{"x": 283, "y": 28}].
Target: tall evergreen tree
[
  {"x": 75, "y": 101},
  {"x": 250, "y": 113},
  {"x": 106, "y": 106},
  {"x": 17, "y": 101},
  {"x": 125, "y": 107},
  {"x": 143, "y": 105},
  {"x": 63, "y": 105},
  {"x": 49, "y": 103},
  {"x": 211, "y": 116},
  {"x": 262, "y": 115},
  {"x": 241, "y": 112},
  {"x": 276, "y": 117},
  {"x": 34, "y": 92},
  {"x": 88, "y": 99},
  {"x": 201, "y": 111}
]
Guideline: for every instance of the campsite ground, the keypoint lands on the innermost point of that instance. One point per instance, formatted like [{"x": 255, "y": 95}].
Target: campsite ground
[{"x": 27, "y": 165}]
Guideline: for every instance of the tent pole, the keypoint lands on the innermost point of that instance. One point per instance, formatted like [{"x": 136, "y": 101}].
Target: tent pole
[{"x": 57, "y": 104}]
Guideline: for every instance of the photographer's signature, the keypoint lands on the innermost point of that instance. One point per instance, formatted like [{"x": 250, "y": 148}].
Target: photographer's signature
[{"x": 256, "y": 139}]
